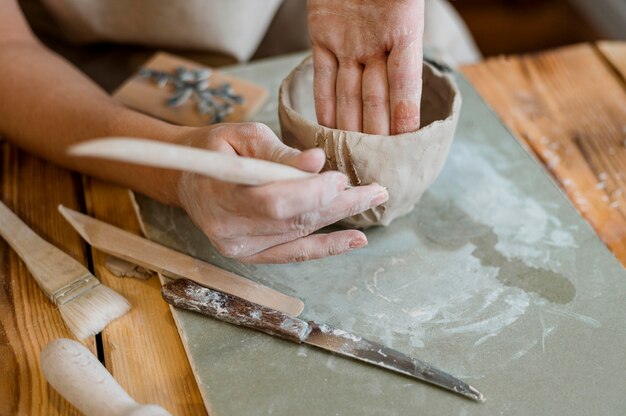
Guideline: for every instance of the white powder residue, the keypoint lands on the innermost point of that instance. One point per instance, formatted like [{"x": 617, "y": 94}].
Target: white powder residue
[{"x": 524, "y": 227}]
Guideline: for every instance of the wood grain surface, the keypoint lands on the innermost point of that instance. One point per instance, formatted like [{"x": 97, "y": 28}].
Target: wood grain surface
[
  {"x": 615, "y": 53},
  {"x": 28, "y": 320},
  {"x": 142, "y": 350},
  {"x": 569, "y": 107},
  {"x": 143, "y": 95}
]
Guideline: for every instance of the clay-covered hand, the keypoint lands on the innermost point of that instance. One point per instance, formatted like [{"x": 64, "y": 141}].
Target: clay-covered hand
[
  {"x": 272, "y": 223},
  {"x": 367, "y": 57}
]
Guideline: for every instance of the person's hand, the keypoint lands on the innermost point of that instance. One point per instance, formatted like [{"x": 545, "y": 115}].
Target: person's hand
[
  {"x": 367, "y": 57},
  {"x": 272, "y": 223}
]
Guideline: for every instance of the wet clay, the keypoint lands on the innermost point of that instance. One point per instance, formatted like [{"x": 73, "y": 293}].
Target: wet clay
[{"x": 407, "y": 164}]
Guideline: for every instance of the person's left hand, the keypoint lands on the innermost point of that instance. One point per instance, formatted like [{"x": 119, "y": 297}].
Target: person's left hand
[{"x": 367, "y": 57}]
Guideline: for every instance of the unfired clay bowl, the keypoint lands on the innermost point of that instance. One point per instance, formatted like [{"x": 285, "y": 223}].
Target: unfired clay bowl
[{"x": 407, "y": 164}]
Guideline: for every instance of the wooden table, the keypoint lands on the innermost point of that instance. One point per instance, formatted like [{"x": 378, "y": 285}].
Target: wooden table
[{"x": 568, "y": 106}]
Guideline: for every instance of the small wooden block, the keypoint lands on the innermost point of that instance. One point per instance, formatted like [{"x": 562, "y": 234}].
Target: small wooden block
[{"x": 144, "y": 95}]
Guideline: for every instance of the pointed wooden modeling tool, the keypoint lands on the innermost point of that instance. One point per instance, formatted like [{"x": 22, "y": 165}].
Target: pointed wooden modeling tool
[
  {"x": 74, "y": 372},
  {"x": 85, "y": 304},
  {"x": 216, "y": 165},
  {"x": 186, "y": 294},
  {"x": 173, "y": 264}
]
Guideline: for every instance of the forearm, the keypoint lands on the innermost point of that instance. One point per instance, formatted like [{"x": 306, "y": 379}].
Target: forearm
[{"x": 47, "y": 105}]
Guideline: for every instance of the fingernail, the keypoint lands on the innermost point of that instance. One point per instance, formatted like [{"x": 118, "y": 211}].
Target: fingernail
[
  {"x": 358, "y": 242},
  {"x": 379, "y": 198}
]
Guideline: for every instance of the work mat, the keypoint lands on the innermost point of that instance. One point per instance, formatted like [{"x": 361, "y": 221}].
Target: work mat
[{"x": 493, "y": 278}]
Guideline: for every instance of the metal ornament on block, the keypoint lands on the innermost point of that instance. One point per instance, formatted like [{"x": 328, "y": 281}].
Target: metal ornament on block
[{"x": 217, "y": 102}]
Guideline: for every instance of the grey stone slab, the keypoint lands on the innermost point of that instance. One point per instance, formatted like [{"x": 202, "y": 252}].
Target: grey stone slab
[{"x": 494, "y": 278}]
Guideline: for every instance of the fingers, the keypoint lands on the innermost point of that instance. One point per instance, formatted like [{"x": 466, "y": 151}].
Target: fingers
[
  {"x": 241, "y": 236},
  {"x": 311, "y": 160},
  {"x": 376, "y": 98},
  {"x": 259, "y": 141},
  {"x": 347, "y": 203},
  {"x": 349, "y": 105},
  {"x": 284, "y": 200},
  {"x": 263, "y": 234},
  {"x": 324, "y": 81},
  {"x": 311, "y": 247},
  {"x": 404, "y": 72}
]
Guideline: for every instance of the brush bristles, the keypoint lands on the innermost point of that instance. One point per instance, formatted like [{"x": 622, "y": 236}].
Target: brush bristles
[{"x": 88, "y": 314}]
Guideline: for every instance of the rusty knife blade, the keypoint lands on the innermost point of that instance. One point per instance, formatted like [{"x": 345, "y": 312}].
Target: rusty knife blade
[
  {"x": 188, "y": 295},
  {"x": 353, "y": 346}
]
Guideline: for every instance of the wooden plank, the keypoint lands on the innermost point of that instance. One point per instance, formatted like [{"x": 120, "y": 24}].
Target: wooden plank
[
  {"x": 143, "y": 351},
  {"x": 28, "y": 321},
  {"x": 144, "y": 95},
  {"x": 569, "y": 107},
  {"x": 615, "y": 54}
]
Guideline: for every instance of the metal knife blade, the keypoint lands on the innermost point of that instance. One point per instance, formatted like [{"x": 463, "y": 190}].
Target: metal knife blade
[
  {"x": 173, "y": 264},
  {"x": 350, "y": 345},
  {"x": 188, "y": 295}
]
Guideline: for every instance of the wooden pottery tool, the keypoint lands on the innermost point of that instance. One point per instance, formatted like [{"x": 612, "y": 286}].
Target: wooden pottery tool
[
  {"x": 82, "y": 380},
  {"x": 155, "y": 98},
  {"x": 188, "y": 295},
  {"x": 85, "y": 304},
  {"x": 216, "y": 165},
  {"x": 171, "y": 263}
]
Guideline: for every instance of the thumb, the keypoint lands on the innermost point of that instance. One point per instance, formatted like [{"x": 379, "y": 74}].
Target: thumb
[
  {"x": 259, "y": 141},
  {"x": 311, "y": 160}
]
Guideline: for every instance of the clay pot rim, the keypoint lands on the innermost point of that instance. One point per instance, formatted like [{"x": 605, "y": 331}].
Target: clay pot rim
[{"x": 284, "y": 101}]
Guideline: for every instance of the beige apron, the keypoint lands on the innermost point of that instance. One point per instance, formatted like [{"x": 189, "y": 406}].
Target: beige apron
[{"x": 232, "y": 27}]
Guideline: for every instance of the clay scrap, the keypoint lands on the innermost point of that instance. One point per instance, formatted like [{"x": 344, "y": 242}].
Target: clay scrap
[{"x": 407, "y": 164}]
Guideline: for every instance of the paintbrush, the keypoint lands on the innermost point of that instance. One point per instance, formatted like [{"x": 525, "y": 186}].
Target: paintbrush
[
  {"x": 217, "y": 165},
  {"x": 85, "y": 304}
]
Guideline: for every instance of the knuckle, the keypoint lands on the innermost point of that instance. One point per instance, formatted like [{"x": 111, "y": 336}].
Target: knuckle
[
  {"x": 300, "y": 255},
  {"x": 274, "y": 208},
  {"x": 256, "y": 129},
  {"x": 347, "y": 61},
  {"x": 304, "y": 223},
  {"x": 332, "y": 248},
  {"x": 325, "y": 98},
  {"x": 323, "y": 69},
  {"x": 277, "y": 210},
  {"x": 348, "y": 99},
  {"x": 375, "y": 102},
  {"x": 255, "y": 137},
  {"x": 404, "y": 84}
]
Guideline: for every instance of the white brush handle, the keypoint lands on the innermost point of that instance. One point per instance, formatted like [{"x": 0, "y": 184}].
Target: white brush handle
[
  {"x": 216, "y": 165},
  {"x": 78, "y": 376},
  {"x": 51, "y": 268}
]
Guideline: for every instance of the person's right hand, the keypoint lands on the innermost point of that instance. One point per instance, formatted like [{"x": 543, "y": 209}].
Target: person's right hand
[
  {"x": 367, "y": 61},
  {"x": 273, "y": 223}
]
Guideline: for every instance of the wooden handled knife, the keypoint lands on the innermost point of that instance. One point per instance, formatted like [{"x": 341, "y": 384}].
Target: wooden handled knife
[
  {"x": 188, "y": 295},
  {"x": 173, "y": 264}
]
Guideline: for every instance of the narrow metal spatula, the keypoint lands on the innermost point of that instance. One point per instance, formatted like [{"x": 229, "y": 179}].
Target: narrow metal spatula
[{"x": 186, "y": 294}]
